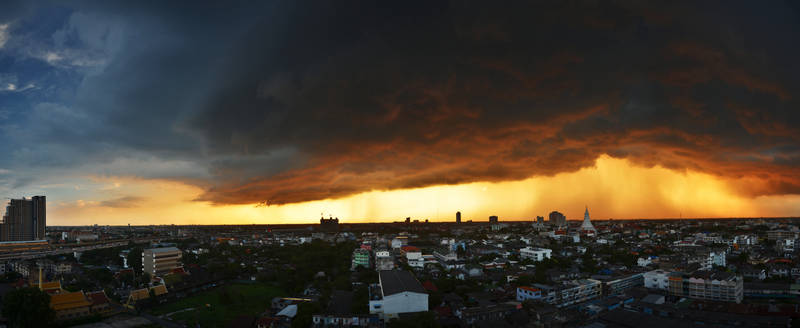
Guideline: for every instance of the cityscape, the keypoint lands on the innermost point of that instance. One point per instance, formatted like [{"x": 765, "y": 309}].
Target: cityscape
[{"x": 396, "y": 164}]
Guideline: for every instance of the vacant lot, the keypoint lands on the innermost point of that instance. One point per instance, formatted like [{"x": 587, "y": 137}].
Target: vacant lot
[{"x": 224, "y": 304}]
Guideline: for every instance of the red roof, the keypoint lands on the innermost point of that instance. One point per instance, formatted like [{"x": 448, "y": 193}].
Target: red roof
[
  {"x": 179, "y": 271},
  {"x": 98, "y": 297},
  {"x": 444, "y": 311},
  {"x": 428, "y": 285},
  {"x": 530, "y": 289},
  {"x": 410, "y": 248}
]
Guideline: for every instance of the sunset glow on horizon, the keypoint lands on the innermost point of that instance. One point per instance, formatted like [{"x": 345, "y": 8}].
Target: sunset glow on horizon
[{"x": 613, "y": 188}]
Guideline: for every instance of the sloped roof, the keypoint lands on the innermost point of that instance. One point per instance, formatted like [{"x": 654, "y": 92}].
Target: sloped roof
[
  {"x": 98, "y": 297},
  {"x": 398, "y": 281},
  {"x": 65, "y": 301},
  {"x": 144, "y": 293}
]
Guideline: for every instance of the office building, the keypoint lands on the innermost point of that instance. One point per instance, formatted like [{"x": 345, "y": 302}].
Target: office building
[
  {"x": 557, "y": 219},
  {"x": 24, "y": 219},
  {"x": 534, "y": 253},
  {"x": 458, "y": 217},
  {"x": 159, "y": 261},
  {"x": 397, "y": 292}
]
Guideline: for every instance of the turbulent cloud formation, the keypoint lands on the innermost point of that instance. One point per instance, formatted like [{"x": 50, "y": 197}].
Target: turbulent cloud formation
[{"x": 290, "y": 102}]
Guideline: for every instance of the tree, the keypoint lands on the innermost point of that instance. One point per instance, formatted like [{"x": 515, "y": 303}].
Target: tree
[
  {"x": 28, "y": 307},
  {"x": 135, "y": 258}
]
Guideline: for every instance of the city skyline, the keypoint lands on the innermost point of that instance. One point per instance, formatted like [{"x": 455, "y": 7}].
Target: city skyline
[{"x": 276, "y": 112}]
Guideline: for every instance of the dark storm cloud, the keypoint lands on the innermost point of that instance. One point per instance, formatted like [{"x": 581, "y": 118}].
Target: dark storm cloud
[{"x": 288, "y": 102}]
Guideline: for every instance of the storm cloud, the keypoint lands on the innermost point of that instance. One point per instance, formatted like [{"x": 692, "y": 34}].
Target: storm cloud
[{"x": 286, "y": 102}]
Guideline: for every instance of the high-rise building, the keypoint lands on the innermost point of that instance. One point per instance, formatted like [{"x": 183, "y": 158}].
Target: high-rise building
[
  {"x": 493, "y": 219},
  {"x": 25, "y": 219},
  {"x": 540, "y": 219},
  {"x": 458, "y": 217},
  {"x": 557, "y": 219}
]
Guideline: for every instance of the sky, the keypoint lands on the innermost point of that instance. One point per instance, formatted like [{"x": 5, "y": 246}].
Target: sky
[{"x": 283, "y": 111}]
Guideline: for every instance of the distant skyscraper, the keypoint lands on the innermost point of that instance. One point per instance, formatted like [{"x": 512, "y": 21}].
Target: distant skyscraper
[
  {"x": 25, "y": 219},
  {"x": 540, "y": 219},
  {"x": 493, "y": 219},
  {"x": 557, "y": 219},
  {"x": 587, "y": 223},
  {"x": 458, "y": 217}
]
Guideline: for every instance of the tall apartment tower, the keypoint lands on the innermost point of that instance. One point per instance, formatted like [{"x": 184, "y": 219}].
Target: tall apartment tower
[
  {"x": 25, "y": 219},
  {"x": 458, "y": 217}
]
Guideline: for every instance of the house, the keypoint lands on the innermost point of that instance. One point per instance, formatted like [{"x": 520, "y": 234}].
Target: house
[
  {"x": 525, "y": 293},
  {"x": 397, "y": 292}
]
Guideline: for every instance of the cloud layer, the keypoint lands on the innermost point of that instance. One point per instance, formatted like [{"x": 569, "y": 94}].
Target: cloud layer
[{"x": 290, "y": 102}]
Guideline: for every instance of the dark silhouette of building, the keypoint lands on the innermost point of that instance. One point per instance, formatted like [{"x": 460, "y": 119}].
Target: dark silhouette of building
[
  {"x": 493, "y": 219},
  {"x": 556, "y": 218},
  {"x": 330, "y": 224},
  {"x": 25, "y": 219},
  {"x": 540, "y": 219},
  {"x": 408, "y": 220},
  {"x": 458, "y": 217}
]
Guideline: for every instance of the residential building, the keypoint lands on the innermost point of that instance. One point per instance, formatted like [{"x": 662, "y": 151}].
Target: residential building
[
  {"x": 781, "y": 234},
  {"x": 158, "y": 261},
  {"x": 617, "y": 285},
  {"x": 656, "y": 279},
  {"x": 534, "y": 253},
  {"x": 360, "y": 258},
  {"x": 707, "y": 285},
  {"x": 525, "y": 293},
  {"x": 383, "y": 260},
  {"x": 448, "y": 258},
  {"x": 397, "y": 292},
  {"x": 24, "y": 219},
  {"x": 571, "y": 292}
]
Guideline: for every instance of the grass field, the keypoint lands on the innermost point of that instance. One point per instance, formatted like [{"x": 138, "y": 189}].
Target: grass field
[{"x": 226, "y": 303}]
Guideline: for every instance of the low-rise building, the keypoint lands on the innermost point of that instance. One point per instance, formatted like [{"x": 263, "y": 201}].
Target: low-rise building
[
  {"x": 70, "y": 305},
  {"x": 656, "y": 279},
  {"x": 571, "y": 292},
  {"x": 360, "y": 258},
  {"x": 534, "y": 253},
  {"x": 397, "y": 292},
  {"x": 707, "y": 285},
  {"x": 384, "y": 260},
  {"x": 158, "y": 261},
  {"x": 525, "y": 293}
]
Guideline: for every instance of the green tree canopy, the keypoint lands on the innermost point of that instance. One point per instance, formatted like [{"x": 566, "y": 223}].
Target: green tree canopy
[{"x": 28, "y": 307}]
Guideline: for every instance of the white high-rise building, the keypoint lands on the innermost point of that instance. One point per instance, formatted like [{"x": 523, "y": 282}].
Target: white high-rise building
[{"x": 587, "y": 223}]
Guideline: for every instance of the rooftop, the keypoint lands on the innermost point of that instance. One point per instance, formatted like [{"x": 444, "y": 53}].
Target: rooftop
[{"x": 398, "y": 281}]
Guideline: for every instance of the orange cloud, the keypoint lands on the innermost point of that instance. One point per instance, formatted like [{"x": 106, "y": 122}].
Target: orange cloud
[{"x": 612, "y": 188}]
